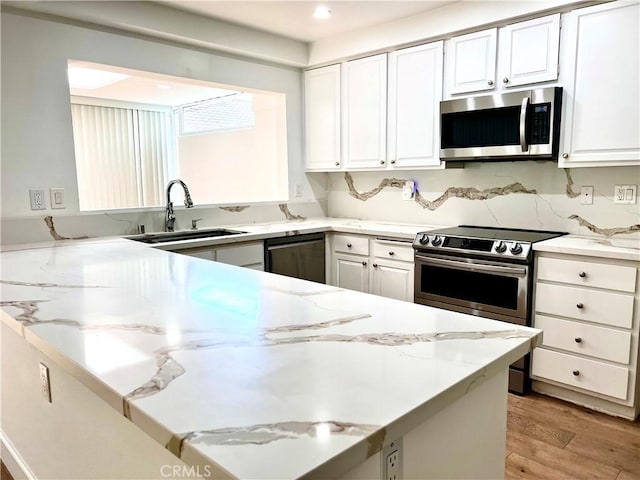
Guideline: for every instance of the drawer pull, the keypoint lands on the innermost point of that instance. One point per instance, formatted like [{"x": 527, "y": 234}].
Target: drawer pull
[
  {"x": 349, "y": 245},
  {"x": 582, "y": 274},
  {"x": 375, "y": 265},
  {"x": 364, "y": 264},
  {"x": 391, "y": 253},
  {"x": 576, "y": 373},
  {"x": 579, "y": 305},
  {"x": 578, "y": 340}
]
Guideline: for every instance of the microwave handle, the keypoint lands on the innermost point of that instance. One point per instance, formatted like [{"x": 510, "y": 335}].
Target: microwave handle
[{"x": 523, "y": 124}]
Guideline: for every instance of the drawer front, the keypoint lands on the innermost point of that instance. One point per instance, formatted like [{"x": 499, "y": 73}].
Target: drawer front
[
  {"x": 600, "y": 342},
  {"x": 591, "y": 305},
  {"x": 600, "y": 275},
  {"x": 206, "y": 253},
  {"x": 578, "y": 372},
  {"x": 241, "y": 255},
  {"x": 392, "y": 249},
  {"x": 351, "y": 244}
]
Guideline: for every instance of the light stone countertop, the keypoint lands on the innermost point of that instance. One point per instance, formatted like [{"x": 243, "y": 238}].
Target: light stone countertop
[
  {"x": 615, "y": 248},
  {"x": 258, "y": 375}
]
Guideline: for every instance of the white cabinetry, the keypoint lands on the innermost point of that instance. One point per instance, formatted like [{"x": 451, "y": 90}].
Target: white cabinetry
[
  {"x": 588, "y": 310},
  {"x": 322, "y": 118},
  {"x": 249, "y": 254},
  {"x": 601, "y": 78},
  {"x": 415, "y": 91},
  {"x": 380, "y": 266},
  {"x": 527, "y": 53},
  {"x": 365, "y": 112}
]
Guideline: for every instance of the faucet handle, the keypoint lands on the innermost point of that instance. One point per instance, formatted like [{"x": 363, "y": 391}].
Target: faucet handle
[{"x": 194, "y": 223}]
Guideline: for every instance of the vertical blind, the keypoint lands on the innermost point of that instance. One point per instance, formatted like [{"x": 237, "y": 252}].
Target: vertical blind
[{"x": 124, "y": 157}]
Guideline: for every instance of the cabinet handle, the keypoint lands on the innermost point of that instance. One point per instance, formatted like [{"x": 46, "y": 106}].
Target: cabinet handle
[
  {"x": 349, "y": 245},
  {"x": 578, "y": 340},
  {"x": 576, "y": 373},
  {"x": 393, "y": 162},
  {"x": 582, "y": 274},
  {"x": 565, "y": 155},
  {"x": 337, "y": 164},
  {"x": 375, "y": 265},
  {"x": 391, "y": 253},
  {"x": 364, "y": 264},
  {"x": 381, "y": 162},
  {"x": 490, "y": 82},
  {"x": 579, "y": 305},
  {"x": 505, "y": 80}
]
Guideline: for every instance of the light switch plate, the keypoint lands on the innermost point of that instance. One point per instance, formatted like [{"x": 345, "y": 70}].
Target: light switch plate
[
  {"x": 56, "y": 196},
  {"x": 625, "y": 194}
]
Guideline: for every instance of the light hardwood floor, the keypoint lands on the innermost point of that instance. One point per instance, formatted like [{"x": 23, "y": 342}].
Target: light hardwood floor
[
  {"x": 554, "y": 440},
  {"x": 548, "y": 439}
]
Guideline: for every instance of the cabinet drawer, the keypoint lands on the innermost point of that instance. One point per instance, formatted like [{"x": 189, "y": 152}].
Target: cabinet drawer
[
  {"x": 392, "y": 249},
  {"x": 590, "y": 375},
  {"x": 241, "y": 255},
  {"x": 206, "y": 253},
  {"x": 600, "y": 275},
  {"x": 351, "y": 244},
  {"x": 600, "y": 342},
  {"x": 591, "y": 305}
]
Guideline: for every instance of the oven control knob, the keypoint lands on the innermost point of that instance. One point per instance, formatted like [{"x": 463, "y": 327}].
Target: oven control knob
[
  {"x": 501, "y": 247},
  {"x": 516, "y": 249},
  {"x": 437, "y": 240},
  {"x": 424, "y": 239}
]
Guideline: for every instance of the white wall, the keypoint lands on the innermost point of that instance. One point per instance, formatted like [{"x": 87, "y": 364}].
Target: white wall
[{"x": 37, "y": 142}]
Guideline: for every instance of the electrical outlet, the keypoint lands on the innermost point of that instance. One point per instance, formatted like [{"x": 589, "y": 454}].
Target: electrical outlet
[
  {"x": 392, "y": 461},
  {"x": 586, "y": 195},
  {"x": 625, "y": 194},
  {"x": 37, "y": 199},
  {"x": 408, "y": 190},
  {"x": 45, "y": 386}
]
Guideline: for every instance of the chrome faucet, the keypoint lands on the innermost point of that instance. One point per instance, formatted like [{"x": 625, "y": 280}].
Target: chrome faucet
[{"x": 170, "y": 218}]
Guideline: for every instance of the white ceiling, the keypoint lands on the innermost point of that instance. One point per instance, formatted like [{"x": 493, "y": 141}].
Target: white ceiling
[{"x": 294, "y": 19}]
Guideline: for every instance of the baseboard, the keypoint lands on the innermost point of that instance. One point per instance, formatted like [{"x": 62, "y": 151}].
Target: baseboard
[{"x": 13, "y": 461}]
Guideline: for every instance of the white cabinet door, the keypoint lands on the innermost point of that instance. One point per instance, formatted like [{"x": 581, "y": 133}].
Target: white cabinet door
[
  {"x": 601, "y": 61},
  {"x": 322, "y": 118},
  {"x": 365, "y": 112},
  {"x": 392, "y": 279},
  {"x": 471, "y": 62},
  {"x": 415, "y": 91},
  {"x": 351, "y": 272},
  {"x": 529, "y": 51}
]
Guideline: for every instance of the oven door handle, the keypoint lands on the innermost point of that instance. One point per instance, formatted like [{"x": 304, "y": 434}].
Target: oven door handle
[{"x": 475, "y": 267}]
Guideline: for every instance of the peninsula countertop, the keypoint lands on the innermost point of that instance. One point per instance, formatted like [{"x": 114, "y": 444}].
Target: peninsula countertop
[{"x": 259, "y": 375}]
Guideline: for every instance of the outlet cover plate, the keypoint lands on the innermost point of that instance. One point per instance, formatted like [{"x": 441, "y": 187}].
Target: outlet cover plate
[
  {"x": 625, "y": 194},
  {"x": 37, "y": 199},
  {"x": 586, "y": 195},
  {"x": 392, "y": 461}
]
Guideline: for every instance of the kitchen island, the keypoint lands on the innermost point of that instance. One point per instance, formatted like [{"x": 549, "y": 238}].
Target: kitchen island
[{"x": 167, "y": 366}]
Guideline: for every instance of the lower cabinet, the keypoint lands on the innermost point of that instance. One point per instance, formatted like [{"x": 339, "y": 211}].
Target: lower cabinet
[
  {"x": 249, "y": 254},
  {"x": 381, "y": 266},
  {"x": 587, "y": 308}
]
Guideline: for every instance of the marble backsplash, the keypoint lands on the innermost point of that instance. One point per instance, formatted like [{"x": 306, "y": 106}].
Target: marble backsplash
[
  {"x": 530, "y": 195},
  {"x": 53, "y": 226}
]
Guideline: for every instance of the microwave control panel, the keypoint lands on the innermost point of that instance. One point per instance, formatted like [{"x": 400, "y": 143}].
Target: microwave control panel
[{"x": 540, "y": 115}]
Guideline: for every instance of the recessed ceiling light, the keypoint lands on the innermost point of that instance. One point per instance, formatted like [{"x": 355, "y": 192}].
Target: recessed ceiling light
[
  {"x": 321, "y": 12},
  {"x": 80, "y": 77}
]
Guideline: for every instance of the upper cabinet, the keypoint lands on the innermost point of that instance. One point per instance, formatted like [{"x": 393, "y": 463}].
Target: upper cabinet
[
  {"x": 365, "y": 112},
  {"x": 415, "y": 91},
  {"x": 322, "y": 118},
  {"x": 600, "y": 72},
  {"x": 527, "y": 52}
]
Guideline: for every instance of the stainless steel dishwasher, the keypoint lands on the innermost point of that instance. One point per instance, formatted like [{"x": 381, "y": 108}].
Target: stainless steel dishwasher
[{"x": 298, "y": 256}]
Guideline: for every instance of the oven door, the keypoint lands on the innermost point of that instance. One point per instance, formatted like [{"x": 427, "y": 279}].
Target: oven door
[{"x": 488, "y": 289}]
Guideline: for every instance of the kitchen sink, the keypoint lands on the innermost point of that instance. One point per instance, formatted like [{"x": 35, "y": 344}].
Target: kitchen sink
[{"x": 186, "y": 235}]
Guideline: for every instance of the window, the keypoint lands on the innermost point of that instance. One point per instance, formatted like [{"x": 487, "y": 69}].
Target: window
[{"x": 141, "y": 130}]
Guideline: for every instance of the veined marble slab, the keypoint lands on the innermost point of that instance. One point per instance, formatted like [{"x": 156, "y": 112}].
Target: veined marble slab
[
  {"x": 618, "y": 248},
  {"x": 258, "y": 375}
]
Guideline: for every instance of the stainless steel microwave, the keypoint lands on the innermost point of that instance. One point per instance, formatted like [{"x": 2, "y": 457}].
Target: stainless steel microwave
[{"x": 522, "y": 125}]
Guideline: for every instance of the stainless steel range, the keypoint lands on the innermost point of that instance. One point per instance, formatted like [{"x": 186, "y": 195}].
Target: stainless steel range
[{"x": 483, "y": 271}]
